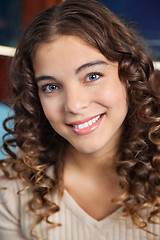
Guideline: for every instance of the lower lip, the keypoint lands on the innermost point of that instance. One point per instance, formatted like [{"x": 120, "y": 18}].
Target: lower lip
[{"x": 89, "y": 129}]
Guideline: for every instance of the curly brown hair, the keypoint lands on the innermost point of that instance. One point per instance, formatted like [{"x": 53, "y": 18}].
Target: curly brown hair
[{"x": 138, "y": 160}]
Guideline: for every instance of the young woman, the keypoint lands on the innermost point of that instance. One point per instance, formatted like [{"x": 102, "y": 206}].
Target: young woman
[{"x": 87, "y": 128}]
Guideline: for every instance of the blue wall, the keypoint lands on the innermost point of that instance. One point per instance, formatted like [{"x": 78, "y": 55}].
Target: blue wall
[
  {"x": 4, "y": 113},
  {"x": 10, "y": 22},
  {"x": 144, "y": 15}
]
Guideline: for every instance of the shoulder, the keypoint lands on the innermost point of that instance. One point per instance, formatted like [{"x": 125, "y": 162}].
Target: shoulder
[
  {"x": 15, "y": 214},
  {"x": 9, "y": 196},
  {"x": 9, "y": 207}
]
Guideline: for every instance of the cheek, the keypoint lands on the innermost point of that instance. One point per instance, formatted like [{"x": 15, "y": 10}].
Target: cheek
[
  {"x": 113, "y": 96},
  {"x": 51, "y": 109}
]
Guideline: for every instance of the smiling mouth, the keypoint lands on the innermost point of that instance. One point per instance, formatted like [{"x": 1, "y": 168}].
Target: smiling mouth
[
  {"x": 88, "y": 126},
  {"x": 87, "y": 123}
]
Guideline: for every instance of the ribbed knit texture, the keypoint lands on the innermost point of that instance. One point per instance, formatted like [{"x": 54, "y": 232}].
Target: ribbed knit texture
[{"x": 15, "y": 221}]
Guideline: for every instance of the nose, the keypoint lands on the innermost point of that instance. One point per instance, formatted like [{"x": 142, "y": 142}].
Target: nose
[{"x": 76, "y": 100}]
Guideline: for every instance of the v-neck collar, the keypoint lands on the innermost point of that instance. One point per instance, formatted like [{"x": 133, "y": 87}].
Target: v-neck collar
[{"x": 84, "y": 216}]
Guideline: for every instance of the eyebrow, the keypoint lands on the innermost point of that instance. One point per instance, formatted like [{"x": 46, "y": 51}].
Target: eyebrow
[
  {"x": 77, "y": 71},
  {"x": 90, "y": 64},
  {"x": 44, "y": 77}
]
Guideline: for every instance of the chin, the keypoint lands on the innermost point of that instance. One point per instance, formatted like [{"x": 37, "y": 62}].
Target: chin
[{"x": 91, "y": 149}]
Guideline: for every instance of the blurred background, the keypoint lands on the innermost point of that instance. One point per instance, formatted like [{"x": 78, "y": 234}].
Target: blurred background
[{"x": 142, "y": 15}]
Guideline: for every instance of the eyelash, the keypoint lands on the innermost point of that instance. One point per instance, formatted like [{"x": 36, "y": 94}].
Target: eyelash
[
  {"x": 44, "y": 88},
  {"x": 93, "y": 74},
  {"x": 55, "y": 87}
]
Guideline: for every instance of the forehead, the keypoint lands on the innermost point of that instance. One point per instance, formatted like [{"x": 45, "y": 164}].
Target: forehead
[
  {"x": 64, "y": 43},
  {"x": 66, "y": 51}
]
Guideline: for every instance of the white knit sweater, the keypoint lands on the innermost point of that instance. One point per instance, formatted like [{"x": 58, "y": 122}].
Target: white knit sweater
[{"x": 15, "y": 220}]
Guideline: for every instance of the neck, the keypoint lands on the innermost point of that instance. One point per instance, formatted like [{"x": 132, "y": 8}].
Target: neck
[
  {"x": 91, "y": 179},
  {"x": 97, "y": 164}
]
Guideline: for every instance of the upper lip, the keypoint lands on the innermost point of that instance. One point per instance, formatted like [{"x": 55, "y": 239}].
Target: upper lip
[{"x": 84, "y": 120}]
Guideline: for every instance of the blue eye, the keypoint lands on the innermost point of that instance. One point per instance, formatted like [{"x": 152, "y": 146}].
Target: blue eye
[
  {"x": 50, "y": 88},
  {"x": 93, "y": 77}
]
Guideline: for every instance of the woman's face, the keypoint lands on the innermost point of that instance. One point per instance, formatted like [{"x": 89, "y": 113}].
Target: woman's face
[{"x": 81, "y": 93}]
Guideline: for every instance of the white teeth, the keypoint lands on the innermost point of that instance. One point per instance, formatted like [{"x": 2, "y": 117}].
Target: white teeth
[
  {"x": 94, "y": 120},
  {"x": 86, "y": 124},
  {"x": 80, "y": 126},
  {"x": 90, "y": 122}
]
